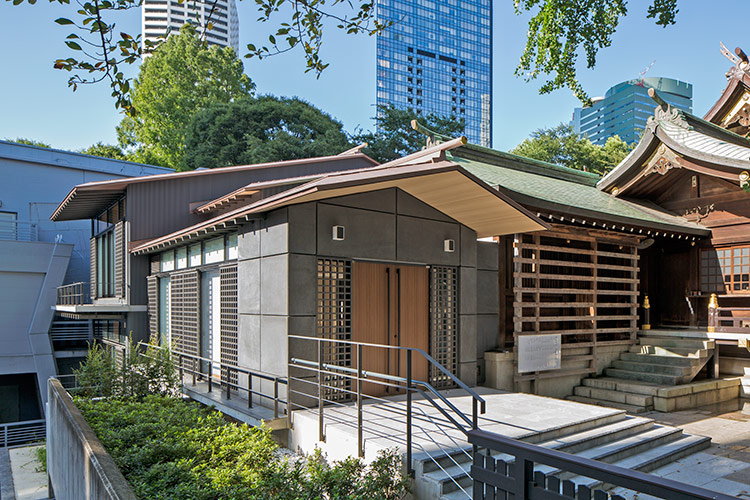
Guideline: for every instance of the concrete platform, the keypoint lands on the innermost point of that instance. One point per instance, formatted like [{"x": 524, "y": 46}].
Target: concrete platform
[{"x": 521, "y": 416}]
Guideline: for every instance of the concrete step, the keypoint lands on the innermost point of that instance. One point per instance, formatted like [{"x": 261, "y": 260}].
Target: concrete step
[
  {"x": 680, "y": 342},
  {"x": 622, "y": 385},
  {"x": 654, "y": 378},
  {"x": 654, "y": 458},
  {"x": 661, "y": 359},
  {"x": 632, "y": 445},
  {"x": 610, "y": 404},
  {"x": 650, "y": 367},
  {"x": 670, "y": 351},
  {"x": 614, "y": 396},
  {"x": 600, "y": 435}
]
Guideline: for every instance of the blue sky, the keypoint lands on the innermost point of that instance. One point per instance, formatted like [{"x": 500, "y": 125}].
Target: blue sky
[{"x": 35, "y": 101}]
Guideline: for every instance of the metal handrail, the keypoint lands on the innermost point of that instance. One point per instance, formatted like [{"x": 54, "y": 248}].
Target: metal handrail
[
  {"x": 408, "y": 383},
  {"x": 523, "y": 478},
  {"x": 227, "y": 381},
  {"x": 73, "y": 294},
  {"x": 16, "y": 230},
  {"x": 21, "y": 433}
]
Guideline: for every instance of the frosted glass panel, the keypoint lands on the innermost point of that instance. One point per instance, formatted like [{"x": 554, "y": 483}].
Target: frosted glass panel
[{"x": 213, "y": 251}]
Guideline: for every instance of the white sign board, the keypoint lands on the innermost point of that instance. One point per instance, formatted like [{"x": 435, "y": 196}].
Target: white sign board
[{"x": 538, "y": 353}]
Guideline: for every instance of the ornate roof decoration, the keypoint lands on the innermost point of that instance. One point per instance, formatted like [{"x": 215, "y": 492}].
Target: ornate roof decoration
[
  {"x": 663, "y": 160},
  {"x": 740, "y": 61},
  {"x": 665, "y": 113}
]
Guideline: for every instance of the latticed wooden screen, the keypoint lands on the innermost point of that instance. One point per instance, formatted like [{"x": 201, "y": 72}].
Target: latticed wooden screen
[
  {"x": 120, "y": 259},
  {"x": 581, "y": 284},
  {"x": 92, "y": 285},
  {"x": 334, "y": 321},
  {"x": 152, "y": 283},
  {"x": 229, "y": 320},
  {"x": 185, "y": 312},
  {"x": 443, "y": 323}
]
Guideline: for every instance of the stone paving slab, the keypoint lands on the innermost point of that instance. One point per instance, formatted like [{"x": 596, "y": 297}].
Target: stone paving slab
[{"x": 29, "y": 482}]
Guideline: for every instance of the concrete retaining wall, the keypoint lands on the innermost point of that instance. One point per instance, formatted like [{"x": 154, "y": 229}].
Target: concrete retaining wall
[{"x": 79, "y": 467}]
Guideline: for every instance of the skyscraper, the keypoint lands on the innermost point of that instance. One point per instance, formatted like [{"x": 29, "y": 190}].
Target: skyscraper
[
  {"x": 159, "y": 17},
  {"x": 626, "y": 107},
  {"x": 436, "y": 57}
]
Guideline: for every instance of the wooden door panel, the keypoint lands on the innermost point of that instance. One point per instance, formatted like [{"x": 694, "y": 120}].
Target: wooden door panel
[
  {"x": 414, "y": 315},
  {"x": 370, "y": 310}
]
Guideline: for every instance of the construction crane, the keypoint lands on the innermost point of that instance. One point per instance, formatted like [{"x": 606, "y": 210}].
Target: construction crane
[{"x": 640, "y": 79}]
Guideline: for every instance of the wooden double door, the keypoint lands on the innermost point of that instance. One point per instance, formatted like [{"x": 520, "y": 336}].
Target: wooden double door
[{"x": 390, "y": 306}]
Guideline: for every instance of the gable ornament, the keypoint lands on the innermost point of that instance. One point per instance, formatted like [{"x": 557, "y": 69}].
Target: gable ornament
[
  {"x": 698, "y": 212},
  {"x": 662, "y": 161}
]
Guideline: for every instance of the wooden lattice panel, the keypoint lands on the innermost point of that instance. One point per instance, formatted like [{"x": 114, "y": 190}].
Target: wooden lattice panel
[
  {"x": 581, "y": 284},
  {"x": 334, "y": 320},
  {"x": 443, "y": 324},
  {"x": 229, "y": 320},
  {"x": 120, "y": 259},
  {"x": 152, "y": 283},
  {"x": 185, "y": 312}
]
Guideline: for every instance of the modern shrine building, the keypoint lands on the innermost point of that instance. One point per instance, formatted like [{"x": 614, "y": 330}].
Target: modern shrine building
[{"x": 505, "y": 271}]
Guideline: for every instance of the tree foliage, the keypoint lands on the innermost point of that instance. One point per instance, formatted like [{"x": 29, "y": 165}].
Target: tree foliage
[
  {"x": 30, "y": 142},
  {"x": 559, "y": 29},
  {"x": 562, "y": 146},
  {"x": 183, "y": 76},
  {"x": 105, "y": 151},
  {"x": 258, "y": 130},
  {"x": 394, "y": 136}
]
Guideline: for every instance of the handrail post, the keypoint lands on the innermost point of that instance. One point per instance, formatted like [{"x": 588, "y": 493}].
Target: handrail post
[
  {"x": 713, "y": 306},
  {"x": 249, "y": 389},
  {"x": 210, "y": 376},
  {"x": 276, "y": 397},
  {"x": 360, "y": 440},
  {"x": 408, "y": 413},
  {"x": 229, "y": 382},
  {"x": 321, "y": 435}
]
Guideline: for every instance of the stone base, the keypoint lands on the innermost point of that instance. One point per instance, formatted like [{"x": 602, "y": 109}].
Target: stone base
[{"x": 688, "y": 396}]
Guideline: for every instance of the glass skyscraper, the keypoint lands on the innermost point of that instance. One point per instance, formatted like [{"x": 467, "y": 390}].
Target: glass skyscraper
[
  {"x": 626, "y": 107},
  {"x": 436, "y": 57}
]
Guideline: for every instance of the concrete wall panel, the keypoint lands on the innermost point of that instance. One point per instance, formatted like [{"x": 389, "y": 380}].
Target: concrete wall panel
[
  {"x": 409, "y": 205},
  {"x": 368, "y": 234},
  {"x": 248, "y": 286},
  {"x": 274, "y": 285},
  {"x": 421, "y": 240}
]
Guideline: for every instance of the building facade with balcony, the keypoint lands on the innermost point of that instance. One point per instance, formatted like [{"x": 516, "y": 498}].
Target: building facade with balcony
[{"x": 36, "y": 257}]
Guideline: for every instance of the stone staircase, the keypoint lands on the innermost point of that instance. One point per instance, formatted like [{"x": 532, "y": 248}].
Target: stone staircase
[
  {"x": 630, "y": 441},
  {"x": 653, "y": 369}
]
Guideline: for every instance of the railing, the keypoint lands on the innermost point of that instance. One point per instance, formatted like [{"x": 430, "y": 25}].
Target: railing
[
  {"x": 73, "y": 294},
  {"x": 70, "y": 331},
  {"x": 516, "y": 477},
  {"x": 20, "y": 433},
  {"x": 434, "y": 428},
  {"x": 14, "y": 230},
  {"x": 202, "y": 369},
  {"x": 731, "y": 320}
]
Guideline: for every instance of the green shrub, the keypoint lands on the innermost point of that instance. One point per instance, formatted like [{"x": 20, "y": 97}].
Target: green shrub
[
  {"x": 146, "y": 369},
  {"x": 41, "y": 456},
  {"x": 170, "y": 448}
]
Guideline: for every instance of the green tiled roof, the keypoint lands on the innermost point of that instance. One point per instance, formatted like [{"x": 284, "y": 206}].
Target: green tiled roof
[{"x": 571, "y": 196}]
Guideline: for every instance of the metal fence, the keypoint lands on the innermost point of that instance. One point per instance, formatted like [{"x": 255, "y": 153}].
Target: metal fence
[
  {"x": 13, "y": 230},
  {"x": 73, "y": 294},
  {"x": 505, "y": 468},
  {"x": 20, "y": 433}
]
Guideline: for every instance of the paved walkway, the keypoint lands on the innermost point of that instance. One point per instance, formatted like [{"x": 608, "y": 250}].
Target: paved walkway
[
  {"x": 725, "y": 466},
  {"x": 30, "y": 483}
]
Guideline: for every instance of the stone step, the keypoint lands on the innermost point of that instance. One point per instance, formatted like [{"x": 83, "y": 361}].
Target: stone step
[
  {"x": 680, "y": 342},
  {"x": 661, "y": 359},
  {"x": 614, "y": 396},
  {"x": 670, "y": 351},
  {"x": 678, "y": 371},
  {"x": 618, "y": 384},
  {"x": 574, "y": 443},
  {"x": 654, "y": 458},
  {"x": 654, "y": 378},
  {"x": 610, "y": 404}
]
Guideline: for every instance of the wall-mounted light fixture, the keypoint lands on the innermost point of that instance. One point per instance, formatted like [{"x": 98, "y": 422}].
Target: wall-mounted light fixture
[
  {"x": 449, "y": 245},
  {"x": 337, "y": 233}
]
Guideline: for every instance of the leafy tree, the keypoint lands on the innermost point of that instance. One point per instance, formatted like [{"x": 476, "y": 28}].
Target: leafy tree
[
  {"x": 183, "y": 76},
  {"x": 29, "y": 142},
  {"x": 394, "y": 136},
  {"x": 260, "y": 130},
  {"x": 105, "y": 151},
  {"x": 562, "y": 146},
  {"x": 558, "y": 29}
]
